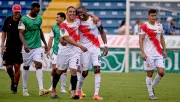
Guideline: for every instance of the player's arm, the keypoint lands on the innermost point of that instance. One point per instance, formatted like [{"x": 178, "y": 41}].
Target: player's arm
[
  {"x": 163, "y": 45},
  {"x": 103, "y": 37},
  {"x": 141, "y": 39},
  {"x": 44, "y": 41},
  {"x": 51, "y": 38},
  {"x": 21, "y": 28},
  {"x": 4, "y": 32}
]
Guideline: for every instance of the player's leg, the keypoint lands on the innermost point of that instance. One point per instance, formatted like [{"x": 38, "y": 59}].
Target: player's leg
[
  {"x": 37, "y": 58},
  {"x": 16, "y": 76},
  {"x": 63, "y": 81},
  {"x": 8, "y": 62},
  {"x": 85, "y": 65},
  {"x": 62, "y": 64},
  {"x": 149, "y": 67},
  {"x": 160, "y": 67},
  {"x": 96, "y": 59}
]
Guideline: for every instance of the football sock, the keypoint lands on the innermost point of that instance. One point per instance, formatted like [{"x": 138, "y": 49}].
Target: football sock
[
  {"x": 24, "y": 79},
  {"x": 156, "y": 80},
  {"x": 149, "y": 85},
  {"x": 73, "y": 82},
  {"x": 55, "y": 80},
  {"x": 63, "y": 80},
  {"x": 39, "y": 76},
  {"x": 97, "y": 83}
]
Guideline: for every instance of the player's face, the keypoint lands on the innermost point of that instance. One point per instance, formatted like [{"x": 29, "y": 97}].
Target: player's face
[
  {"x": 71, "y": 13},
  {"x": 59, "y": 19},
  {"x": 82, "y": 13},
  {"x": 152, "y": 17},
  {"x": 17, "y": 15},
  {"x": 35, "y": 12}
]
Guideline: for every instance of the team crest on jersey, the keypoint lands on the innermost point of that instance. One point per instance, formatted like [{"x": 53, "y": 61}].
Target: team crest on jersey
[
  {"x": 20, "y": 23},
  {"x": 62, "y": 31},
  {"x": 147, "y": 65}
]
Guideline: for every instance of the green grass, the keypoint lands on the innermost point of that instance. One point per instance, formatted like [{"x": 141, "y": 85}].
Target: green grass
[{"x": 115, "y": 87}]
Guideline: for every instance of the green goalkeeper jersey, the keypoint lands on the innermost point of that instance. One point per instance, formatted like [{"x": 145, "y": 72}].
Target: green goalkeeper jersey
[
  {"x": 32, "y": 27},
  {"x": 56, "y": 34}
]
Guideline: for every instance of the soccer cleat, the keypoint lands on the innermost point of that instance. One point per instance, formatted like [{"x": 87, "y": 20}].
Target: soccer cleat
[
  {"x": 97, "y": 97},
  {"x": 75, "y": 97},
  {"x": 43, "y": 92},
  {"x": 153, "y": 97},
  {"x": 63, "y": 91},
  {"x": 80, "y": 94},
  {"x": 83, "y": 94},
  {"x": 25, "y": 93},
  {"x": 55, "y": 97}
]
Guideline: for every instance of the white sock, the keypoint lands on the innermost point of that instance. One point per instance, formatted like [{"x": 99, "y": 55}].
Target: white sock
[
  {"x": 24, "y": 80},
  {"x": 51, "y": 84},
  {"x": 39, "y": 76},
  {"x": 78, "y": 78},
  {"x": 97, "y": 83},
  {"x": 156, "y": 80},
  {"x": 149, "y": 85},
  {"x": 63, "y": 81},
  {"x": 80, "y": 83}
]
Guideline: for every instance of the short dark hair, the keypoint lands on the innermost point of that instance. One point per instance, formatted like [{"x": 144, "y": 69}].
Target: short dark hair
[
  {"x": 33, "y": 5},
  {"x": 61, "y": 14},
  {"x": 82, "y": 7},
  {"x": 152, "y": 11}
]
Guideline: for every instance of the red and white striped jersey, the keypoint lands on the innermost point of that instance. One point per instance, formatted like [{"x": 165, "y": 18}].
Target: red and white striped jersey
[
  {"x": 69, "y": 29},
  {"x": 89, "y": 33},
  {"x": 151, "y": 42}
]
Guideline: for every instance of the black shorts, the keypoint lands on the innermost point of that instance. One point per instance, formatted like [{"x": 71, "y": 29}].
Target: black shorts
[{"x": 12, "y": 56}]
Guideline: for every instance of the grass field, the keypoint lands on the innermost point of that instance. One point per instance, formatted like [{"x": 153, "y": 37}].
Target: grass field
[{"x": 115, "y": 87}]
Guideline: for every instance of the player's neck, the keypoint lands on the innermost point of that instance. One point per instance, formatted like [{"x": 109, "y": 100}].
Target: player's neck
[{"x": 152, "y": 23}]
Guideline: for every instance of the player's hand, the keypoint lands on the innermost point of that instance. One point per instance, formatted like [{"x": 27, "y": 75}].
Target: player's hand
[
  {"x": 3, "y": 49},
  {"x": 63, "y": 43},
  {"x": 105, "y": 51},
  {"x": 144, "y": 57},
  {"x": 164, "y": 54},
  {"x": 48, "y": 53},
  {"x": 26, "y": 48},
  {"x": 84, "y": 49}
]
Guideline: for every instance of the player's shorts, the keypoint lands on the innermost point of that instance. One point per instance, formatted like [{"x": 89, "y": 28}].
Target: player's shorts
[
  {"x": 70, "y": 60},
  {"x": 153, "y": 62},
  {"x": 89, "y": 58},
  {"x": 34, "y": 55},
  {"x": 12, "y": 56},
  {"x": 54, "y": 58}
]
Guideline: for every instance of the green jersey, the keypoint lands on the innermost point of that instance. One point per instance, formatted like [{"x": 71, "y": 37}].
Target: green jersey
[
  {"x": 32, "y": 27},
  {"x": 56, "y": 34}
]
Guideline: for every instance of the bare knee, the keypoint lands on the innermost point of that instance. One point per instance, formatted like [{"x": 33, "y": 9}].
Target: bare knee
[
  {"x": 85, "y": 73},
  {"x": 96, "y": 69},
  {"x": 161, "y": 74},
  {"x": 38, "y": 65},
  {"x": 73, "y": 72},
  {"x": 150, "y": 73}
]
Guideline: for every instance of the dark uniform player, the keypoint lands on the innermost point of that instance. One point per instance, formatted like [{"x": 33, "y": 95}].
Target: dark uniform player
[{"x": 11, "y": 50}]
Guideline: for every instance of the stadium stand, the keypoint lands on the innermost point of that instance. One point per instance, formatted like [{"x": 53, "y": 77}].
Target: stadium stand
[{"x": 111, "y": 12}]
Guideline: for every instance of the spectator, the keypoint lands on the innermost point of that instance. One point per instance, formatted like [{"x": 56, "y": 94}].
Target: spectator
[
  {"x": 169, "y": 26},
  {"x": 122, "y": 28},
  {"x": 139, "y": 22}
]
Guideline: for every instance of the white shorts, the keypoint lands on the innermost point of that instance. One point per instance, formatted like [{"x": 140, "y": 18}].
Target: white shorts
[
  {"x": 153, "y": 62},
  {"x": 89, "y": 58},
  {"x": 34, "y": 55},
  {"x": 71, "y": 60},
  {"x": 54, "y": 58}
]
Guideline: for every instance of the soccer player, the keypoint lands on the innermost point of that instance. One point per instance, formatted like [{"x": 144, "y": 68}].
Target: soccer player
[
  {"x": 12, "y": 56},
  {"x": 89, "y": 38},
  {"x": 69, "y": 55},
  {"x": 150, "y": 41},
  {"x": 31, "y": 35},
  {"x": 54, "y": 35}
]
